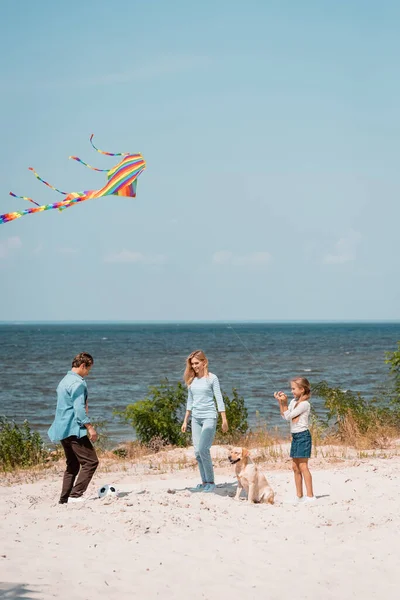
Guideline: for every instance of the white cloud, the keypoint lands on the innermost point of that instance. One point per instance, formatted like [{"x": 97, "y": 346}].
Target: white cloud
[
  {"x": 8, "y": 245},
  {"x": 222, "y": 257},
  {"x": 253, "y": 259},
  {"x": 345, "y": 249},
  {"x": 127, "y": 256},
  {"x": 160, "y": 66}
]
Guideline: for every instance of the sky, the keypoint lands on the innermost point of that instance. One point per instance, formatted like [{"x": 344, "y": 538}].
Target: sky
[{"x": 271, "y": 134}]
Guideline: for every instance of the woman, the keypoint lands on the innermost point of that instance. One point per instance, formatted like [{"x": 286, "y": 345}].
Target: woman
[{"x": 202, "y": 388}]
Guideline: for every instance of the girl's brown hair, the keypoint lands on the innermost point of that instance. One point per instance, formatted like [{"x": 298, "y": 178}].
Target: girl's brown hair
[
  {"x": 305, "y": 384},
  {"x": 189, "y": 374}
]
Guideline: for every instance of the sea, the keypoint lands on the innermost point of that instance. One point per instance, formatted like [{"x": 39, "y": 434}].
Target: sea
[{"x": 255, "y": 358}]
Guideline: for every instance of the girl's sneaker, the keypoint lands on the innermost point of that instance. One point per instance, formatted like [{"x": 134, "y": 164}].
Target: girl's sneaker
[
  {"x": 309, "y": 499},
  {"x": 298, "y": 500},
  {"x": 210, "y": 487}
]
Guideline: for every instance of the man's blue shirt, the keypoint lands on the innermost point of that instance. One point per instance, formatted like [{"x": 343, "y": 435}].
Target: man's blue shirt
[{"x": 71, "y": 414}]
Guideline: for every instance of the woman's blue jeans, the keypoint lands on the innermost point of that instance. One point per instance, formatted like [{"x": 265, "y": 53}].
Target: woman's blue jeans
[{"x": 203, "y": 433}]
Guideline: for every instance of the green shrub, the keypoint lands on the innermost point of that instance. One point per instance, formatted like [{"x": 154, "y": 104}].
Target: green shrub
[
  {"x": 157, "y": 419},
  {"x": 19, "y": 445},
  {"x": 236, "y": 413},
  {"x": 159, "y": 416},
  {"x": 338, "y": 403},
  {"x": 393, "y": 359},
  {"x": 355, "y": 420}
]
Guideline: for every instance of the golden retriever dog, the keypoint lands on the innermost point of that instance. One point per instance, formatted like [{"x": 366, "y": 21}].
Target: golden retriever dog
[{"x": 250, "y": 478}]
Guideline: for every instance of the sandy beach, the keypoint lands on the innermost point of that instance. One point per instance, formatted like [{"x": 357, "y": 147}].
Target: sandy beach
[{"x": 159, "y": 540}]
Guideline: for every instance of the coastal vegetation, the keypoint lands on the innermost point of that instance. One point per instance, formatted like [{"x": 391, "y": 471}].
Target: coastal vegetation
[
  {"x": 20, "y": 447},
  {"x": 158, "y": 418}
]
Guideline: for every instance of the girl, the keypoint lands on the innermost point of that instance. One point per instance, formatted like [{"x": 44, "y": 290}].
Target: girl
[
  {"x": 298, "y": 413},
  {"x": 202, "y": 387}
]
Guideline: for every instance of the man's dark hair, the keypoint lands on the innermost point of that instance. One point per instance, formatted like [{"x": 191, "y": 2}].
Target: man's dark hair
[{"x": 83, "y": 358}]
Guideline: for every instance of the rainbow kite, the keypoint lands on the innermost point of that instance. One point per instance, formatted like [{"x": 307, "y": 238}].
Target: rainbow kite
[{"x": 121, "y": 181}]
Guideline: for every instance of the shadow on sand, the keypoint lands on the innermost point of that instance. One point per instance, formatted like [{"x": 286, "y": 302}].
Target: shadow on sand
[
  {"x": 222, "y": 489},
  {"x": 19, "y": 591}
]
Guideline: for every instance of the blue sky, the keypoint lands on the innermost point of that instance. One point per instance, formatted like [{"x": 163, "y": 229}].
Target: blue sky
[{"x": 271, "y": 135}]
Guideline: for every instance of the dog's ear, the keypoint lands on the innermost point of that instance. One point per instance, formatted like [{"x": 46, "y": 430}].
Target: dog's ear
[{"x": 245, "y": 453}]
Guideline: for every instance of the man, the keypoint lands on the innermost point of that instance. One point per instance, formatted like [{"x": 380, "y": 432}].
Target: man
[{"x": 73, "y": 429}]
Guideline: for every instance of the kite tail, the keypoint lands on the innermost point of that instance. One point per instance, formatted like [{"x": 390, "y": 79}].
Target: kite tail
[
  {"x": 24, "y": 198},
  {"x": 107, "y": 153},
  {"x": 28, "y": 211},
  {"x": 46, "y": 183},
  {"x": 89, "y": 166}
]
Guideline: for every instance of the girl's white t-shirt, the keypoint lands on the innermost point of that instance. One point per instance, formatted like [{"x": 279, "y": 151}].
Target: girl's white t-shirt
[{"x": 303, "y": 409}]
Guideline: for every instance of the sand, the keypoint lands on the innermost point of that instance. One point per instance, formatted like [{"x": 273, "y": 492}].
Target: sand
[{"x": 159, "y": 540}]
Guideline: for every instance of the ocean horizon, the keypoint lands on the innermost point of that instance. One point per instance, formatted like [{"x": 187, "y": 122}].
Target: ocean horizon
[{"x": 201, "y": 322}]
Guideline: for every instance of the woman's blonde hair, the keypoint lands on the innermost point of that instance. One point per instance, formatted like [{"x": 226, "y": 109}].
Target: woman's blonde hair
[
  {"x": 189, "y": 374},
  {"x": 305, "y": 384}
]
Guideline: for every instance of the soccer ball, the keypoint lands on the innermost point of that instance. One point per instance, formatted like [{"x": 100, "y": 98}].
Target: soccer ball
[{"x": 107, "y": 490}]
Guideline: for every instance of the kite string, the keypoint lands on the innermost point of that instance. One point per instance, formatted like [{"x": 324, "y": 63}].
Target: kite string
[{"x": 250, "y": 353}]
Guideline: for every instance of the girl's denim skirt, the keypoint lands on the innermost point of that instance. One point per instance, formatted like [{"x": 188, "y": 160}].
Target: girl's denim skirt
[{"x": 301, "y": 444}]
